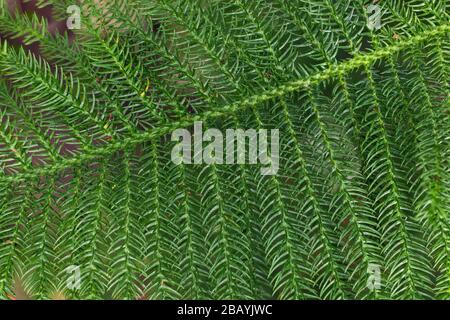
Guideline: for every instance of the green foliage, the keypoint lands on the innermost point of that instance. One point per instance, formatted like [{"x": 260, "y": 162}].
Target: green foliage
[{"x": 364, "y": 117}]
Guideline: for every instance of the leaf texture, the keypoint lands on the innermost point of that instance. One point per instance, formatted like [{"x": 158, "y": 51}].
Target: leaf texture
[{"x": 363, "y": 183}]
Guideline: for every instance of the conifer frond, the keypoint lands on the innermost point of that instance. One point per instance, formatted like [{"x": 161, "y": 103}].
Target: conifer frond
[{"x": 362, "y": 193}]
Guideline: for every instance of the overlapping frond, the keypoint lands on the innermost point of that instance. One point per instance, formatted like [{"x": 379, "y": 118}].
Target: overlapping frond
[{"x": 359, "y": 207}]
